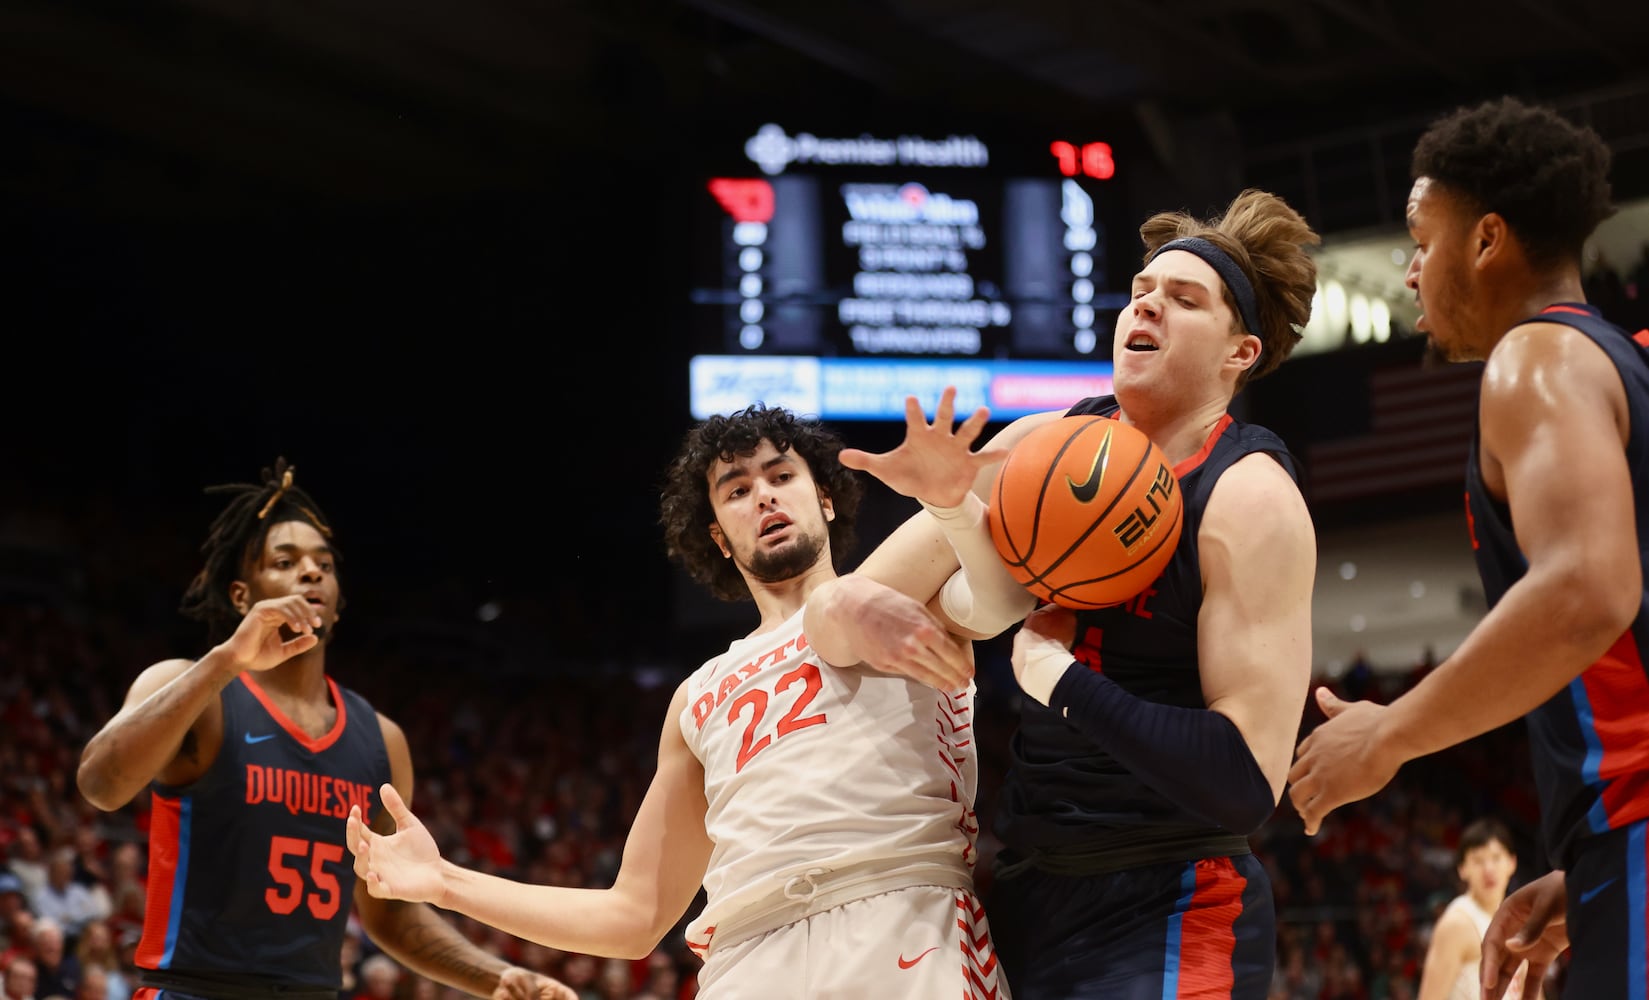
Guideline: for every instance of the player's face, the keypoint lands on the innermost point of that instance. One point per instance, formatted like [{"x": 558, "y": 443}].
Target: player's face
[
  {"x": 1439, "y": 273},
  {"x": 769, "y": 514},
  {"x": 297, "y": 559},
  {"x": 1488, "y": 869},
  {"x": 1178, "y": 332}
]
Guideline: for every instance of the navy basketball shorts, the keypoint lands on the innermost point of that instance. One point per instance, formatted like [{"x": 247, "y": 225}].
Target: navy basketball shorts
[
  {"x": 1608, "y": 895},
  {"x": 1175, "y": 931}
]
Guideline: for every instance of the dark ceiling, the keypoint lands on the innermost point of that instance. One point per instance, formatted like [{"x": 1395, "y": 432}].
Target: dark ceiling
[{"x": 376, "y": 101}]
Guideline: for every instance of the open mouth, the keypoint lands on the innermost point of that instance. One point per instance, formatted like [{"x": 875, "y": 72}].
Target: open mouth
[{"x": 1140, "y": 342}]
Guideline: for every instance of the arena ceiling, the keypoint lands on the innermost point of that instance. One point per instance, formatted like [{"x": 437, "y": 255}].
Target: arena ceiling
[{"x": 370, "y": 100}]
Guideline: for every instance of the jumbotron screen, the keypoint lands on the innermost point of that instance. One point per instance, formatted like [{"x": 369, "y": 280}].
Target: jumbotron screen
[{"x": 836, "y": 276}]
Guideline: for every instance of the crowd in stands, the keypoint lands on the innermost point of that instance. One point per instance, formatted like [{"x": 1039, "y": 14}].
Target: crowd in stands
[{"x": 537, "y": 774}]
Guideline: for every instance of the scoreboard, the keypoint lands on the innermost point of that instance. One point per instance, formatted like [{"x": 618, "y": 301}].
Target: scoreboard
[{"x": 838, "y": 275}]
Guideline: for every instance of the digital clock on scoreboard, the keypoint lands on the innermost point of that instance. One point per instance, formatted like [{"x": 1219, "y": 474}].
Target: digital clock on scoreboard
[{"x": 838, "y": 275}]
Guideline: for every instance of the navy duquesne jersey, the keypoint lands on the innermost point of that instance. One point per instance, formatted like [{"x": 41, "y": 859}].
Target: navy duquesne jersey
[
  {"x": 1063, "y": 791},
  {"x": 249, "y": 876},
  {"x": 1590, "y": 751}
]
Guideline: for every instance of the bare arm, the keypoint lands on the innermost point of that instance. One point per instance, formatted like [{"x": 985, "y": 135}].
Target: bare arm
[
  {"x": 1553, "y": 429},
  {"x": 171, "y": 724},
  {"x": 1553, "y": 425},
  {"x": 1454, "y": 946},
  {"x": 665, "y": 857},
  {"x": 1259, "y": 559},
  {"x": 853, "y": 620}
]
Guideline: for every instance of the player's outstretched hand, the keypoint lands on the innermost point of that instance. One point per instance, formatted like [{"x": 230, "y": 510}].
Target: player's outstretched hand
[
  {"x": 1530, "y": 925},
  {"x": 1343, "y": 760},
  {"x": 403, "y": 865},
  {"x": 517, "y": 983},
  {"x": 273, "y": 631},
  {"x": 936, "y": 462}
]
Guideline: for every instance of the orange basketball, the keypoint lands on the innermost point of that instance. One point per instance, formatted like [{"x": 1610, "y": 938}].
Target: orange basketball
[{"x": 1086, "y": 512}]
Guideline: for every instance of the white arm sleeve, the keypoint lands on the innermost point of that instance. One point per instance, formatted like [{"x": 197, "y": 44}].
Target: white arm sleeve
[{"x": 982, "y": 596}]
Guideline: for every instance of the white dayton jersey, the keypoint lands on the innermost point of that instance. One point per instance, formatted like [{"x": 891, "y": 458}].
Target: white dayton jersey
[{"x": 823, "y": 785}]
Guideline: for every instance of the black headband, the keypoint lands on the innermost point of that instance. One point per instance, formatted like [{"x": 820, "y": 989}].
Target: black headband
[{"x": 1229, "y": 272}]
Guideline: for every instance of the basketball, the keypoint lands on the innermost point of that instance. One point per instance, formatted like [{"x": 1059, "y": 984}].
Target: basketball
[{"x": 1086, "y": 512}]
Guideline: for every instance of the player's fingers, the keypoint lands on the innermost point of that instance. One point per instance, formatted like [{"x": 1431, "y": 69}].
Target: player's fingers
[
  {"x": 1329, "y": 703},
  {"x": 1535, "y": 976},
  {"x": 914, "y": 417},
  {"x": 945, "y": 415},
  {"x": 303, "y": 642},
  {"x": 854, "y": 458},
  {"x": 974, "y": 424},
  {"x": 397, "y": 806}
]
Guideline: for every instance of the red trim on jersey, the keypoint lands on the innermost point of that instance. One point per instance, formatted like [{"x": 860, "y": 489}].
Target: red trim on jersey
[
  {"x": 312, "y": 744},
  {"x": 1642, "y": 336},
  {"x": 1207, "y": 940},
  {"x": 1186, "y": 466},
  {"x": 164, "y": 828},
  {"x": 1564, "y": 309},
  {"x": 1619, "y": 695},
  {"x": 979, "y": 967}
]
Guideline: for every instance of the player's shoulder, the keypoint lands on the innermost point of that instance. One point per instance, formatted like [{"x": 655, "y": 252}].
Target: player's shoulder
[
  {"x": 1455, "y": 925},
  {"x": 1542, "y": 365},
  {"x": 1255, "y": 483},
  {"x": 1539, "y": 343},
  {"x": 1256, "y": 503},
  {"x": 157, "y": 675}
]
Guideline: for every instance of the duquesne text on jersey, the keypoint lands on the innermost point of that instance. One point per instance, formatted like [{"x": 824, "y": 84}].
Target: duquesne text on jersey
[{"x": 303, "y": 791}]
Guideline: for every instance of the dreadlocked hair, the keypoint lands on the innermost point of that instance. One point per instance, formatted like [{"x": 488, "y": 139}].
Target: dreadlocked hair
[
  {"x": 237, "y": 536},
  {"x": 1267, "y": 239},
  {"x": 1545, "y": 175},
  {"x": 685, "y": 510}
]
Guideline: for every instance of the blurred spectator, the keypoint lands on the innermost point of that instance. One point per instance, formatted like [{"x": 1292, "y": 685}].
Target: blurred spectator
[
  {"x": 579, "y": 972},
  {"x": 65, "y": 900},
  {"x": 27, "y": 860},
  {"x": 350, "y": 957},
  {"x": 19, "y": 933},
  {"x": 614, "y": 981},
  {"x": 57, "y": 970},
  {"x": 19, "y": 981},
  {"x": 12, "y": 899},
  {"x": 97, "y": 952},
  {"x": 95, "y": 985},
  {"x": 380, "y": 975}
]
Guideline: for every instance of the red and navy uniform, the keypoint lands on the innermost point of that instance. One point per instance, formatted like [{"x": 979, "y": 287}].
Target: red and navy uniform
[
  {"x": 1590, "y": 741},
  {"x": 250, "y": 882},
  {"x": 1106, "y": 887}
]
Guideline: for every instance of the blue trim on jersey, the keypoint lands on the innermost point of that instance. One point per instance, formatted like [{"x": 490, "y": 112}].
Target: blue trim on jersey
[
  {"x": 1597, "y": 817},
  {"x": 180, "y": 880},
  {"x": 1176, "y": 932},
  {"x": 1637, "y": 868}
]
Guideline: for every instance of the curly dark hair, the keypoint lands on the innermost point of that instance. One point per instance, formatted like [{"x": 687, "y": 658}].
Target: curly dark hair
[
  {"x": 1546, "y": 176},
  {"x": 1266, "y": 238},
  {"x": 684, "y": 508},
  {"x": 236, "y": 538}
]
